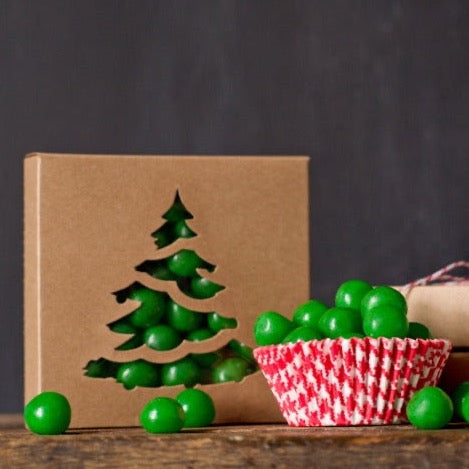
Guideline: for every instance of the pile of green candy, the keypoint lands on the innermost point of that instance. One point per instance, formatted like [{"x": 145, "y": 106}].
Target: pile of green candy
[
  {"x": 230, "y": 363},
  {"x": 162, "y": 324},
  {"x": 49, "y": 413},
  {"x": 360, "y": 310}
]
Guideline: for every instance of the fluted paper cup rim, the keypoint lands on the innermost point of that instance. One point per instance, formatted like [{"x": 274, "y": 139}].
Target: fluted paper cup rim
[{"x": 373, "y": 340}]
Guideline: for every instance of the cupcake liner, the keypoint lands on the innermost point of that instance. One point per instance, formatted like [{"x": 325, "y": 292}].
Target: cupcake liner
[{"x": 350, "y": 381}]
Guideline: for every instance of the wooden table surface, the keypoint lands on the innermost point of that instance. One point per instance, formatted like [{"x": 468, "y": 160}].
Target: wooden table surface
[{"x": 279, "y": 446}]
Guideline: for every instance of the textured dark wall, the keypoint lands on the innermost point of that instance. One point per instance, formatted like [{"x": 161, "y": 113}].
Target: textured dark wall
[{"x": 376, "y": 92}]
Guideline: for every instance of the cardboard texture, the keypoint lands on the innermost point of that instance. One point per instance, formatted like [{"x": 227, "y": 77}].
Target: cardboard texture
[
  {"x": 444, "y": 309},
  {"x": 88, "y": 224}
]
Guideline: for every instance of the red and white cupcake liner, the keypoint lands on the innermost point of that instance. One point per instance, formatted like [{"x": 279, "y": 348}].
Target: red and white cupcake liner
[{"x": 350, "y": 381}]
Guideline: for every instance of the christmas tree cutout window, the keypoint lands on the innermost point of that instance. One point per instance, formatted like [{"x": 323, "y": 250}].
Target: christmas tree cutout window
[{"x": 161, "y": 324}]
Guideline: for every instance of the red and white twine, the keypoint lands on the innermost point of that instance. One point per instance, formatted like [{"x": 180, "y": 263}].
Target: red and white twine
[{"x": 442, "y": 276}]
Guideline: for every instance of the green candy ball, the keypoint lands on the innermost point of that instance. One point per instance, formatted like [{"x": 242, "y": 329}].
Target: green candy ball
[
  {"x": 137, "y": 373},
  {"x": 465, "y": 409},
  {"x": 336, "y": 322},
  {"x": 181, "y": 230},
  {"x": 151, "y": 309},
  {"x": 200, "y": 334},
  {"x": 203, "y": 288},
  {"x": 303, "y": 333},
  {"x": 161, "y": 271},
  {"x": 49, "y": 413},
  {"x": 184, "y": 371},
  {"x": 309, "y": 313},
  {"x": 206, "y": 360},
  {"x": 271, "y": 328},
  {"x": 216, "y": 322},
  {"x": 162, "y": 337},
  {"x": 383, "y": 296},
  {"x": 184, "y": 263},
  {"x": 351, "y": 335},
  {"x": 199, "y": 409},
  {"x": 241, "y": 350},
  {"x": 351, "y": 293},
  {"x": 162, "y": 415},
  {"x": 418, "y": 330},
  {"x": 230, "y": 369},
  {"x": 429, "y": 408},
  {"x": 386, "y": 321},
  {"x": 459, "y": 394},
  {"x": 183, "y": 319}
]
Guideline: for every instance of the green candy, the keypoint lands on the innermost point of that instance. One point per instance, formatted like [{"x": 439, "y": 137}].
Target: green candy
[
  {"x": 177, "y": 211},
  {"x": 303, "y": 333},
  {"x": 230, "y": 369},
  {"x": 418, "y": 331},
  {"x": 181, "y": 230},
  {"x": 429, "y": 408},
  {"x": 199, "y": 409},
  {"x": 200, "y": 334},
  {"x": 241, "y": 350},
  {"x": 351, "y": 293},
  {"x": 184, "y": 371},
  {"x": 162, "y": 237},
  {"x": 271, "y": 328},
  {"x": 101, "y": 368},
  {"x": 351, "y": 335},
  {"x": 123, "y": 326},
  {"x": 96, "y": 369},
  {"x": 161, "y": 271},
  {"x": 183, "y": 319},
  {"x": 336, "y": 322},
  {"x": 137, "y": 373},
  {"x": 162, "y": 415},
  {"x": 216, "y": 322},
  {"x": 151, "y": 309},
  {"x": 206, "y": 360},
  {"x": 459, "y": 394},
  {"x": 203, "y": 288},
  {"x": 465, "y": 409},
  {"x": 309, "y": 313},
  {"x": 383, "y": 296},
  {"x": 49, "y": 413},
  {"x": 386, "y": 321},
  {"x": 184, "y": 263},
  {"x": 132, "y": 343},
  {"x": 162, "y": 337}
]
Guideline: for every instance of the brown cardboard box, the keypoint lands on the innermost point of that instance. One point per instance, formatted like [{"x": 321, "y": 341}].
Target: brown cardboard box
[
  {"x": 444, "y": 309},
  {"x": 88, "y": 224}
]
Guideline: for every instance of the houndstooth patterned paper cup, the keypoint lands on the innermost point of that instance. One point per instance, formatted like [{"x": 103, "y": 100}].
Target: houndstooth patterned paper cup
[{"x": 350, "y": 381}]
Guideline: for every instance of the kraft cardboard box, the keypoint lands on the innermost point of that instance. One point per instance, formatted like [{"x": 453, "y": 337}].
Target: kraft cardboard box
[
  {"x": 444, "y": 309},
  {"x": 93, "y": 234}
]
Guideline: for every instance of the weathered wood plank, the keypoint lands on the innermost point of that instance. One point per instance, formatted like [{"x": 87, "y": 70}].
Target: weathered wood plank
[{"x": 237, "y": 446}]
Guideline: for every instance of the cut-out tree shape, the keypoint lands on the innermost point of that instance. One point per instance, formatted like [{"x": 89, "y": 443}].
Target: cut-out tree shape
[{"x": 161, "y": 324}]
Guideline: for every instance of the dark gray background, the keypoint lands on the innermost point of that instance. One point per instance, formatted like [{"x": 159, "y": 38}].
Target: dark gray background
[{"x": 376, "y": 92}]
